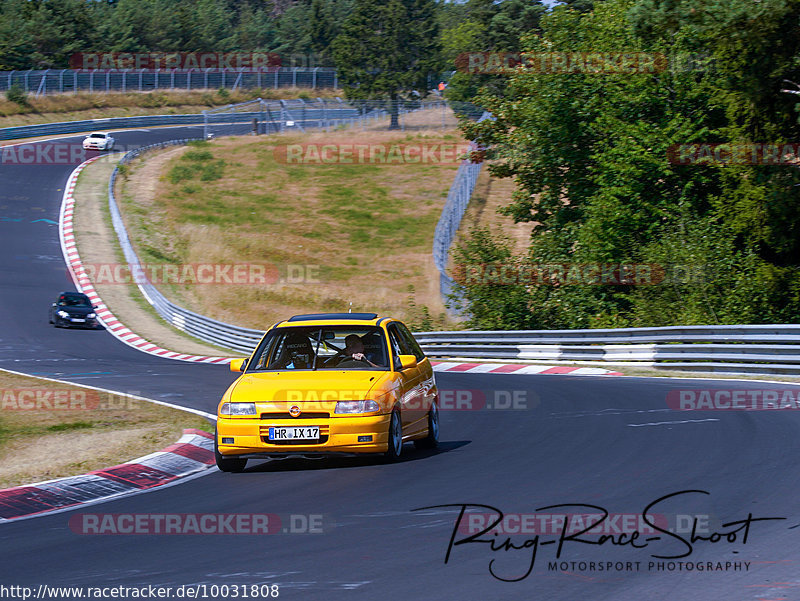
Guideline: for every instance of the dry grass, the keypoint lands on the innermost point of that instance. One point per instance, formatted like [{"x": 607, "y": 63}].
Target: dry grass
[
  {"x": 490, "y": 194},
  {"x": 73, "y": 107},
  {"x": 363, "y": 231},
  {"x": 104, "y": 430}
]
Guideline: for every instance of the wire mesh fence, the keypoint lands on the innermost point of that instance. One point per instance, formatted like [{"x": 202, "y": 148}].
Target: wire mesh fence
[
  {"x": 260, "y": 116},
  {"x": 458, "y": 199},
  {"x": 60, "y": 81}
]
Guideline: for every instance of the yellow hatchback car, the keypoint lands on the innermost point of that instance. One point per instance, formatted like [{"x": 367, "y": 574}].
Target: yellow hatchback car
[{"x": 328, "y": 383}]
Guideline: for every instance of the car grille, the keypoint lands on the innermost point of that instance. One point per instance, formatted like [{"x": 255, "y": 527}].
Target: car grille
[
  {"x": 305, "y": 415},
  {"x": 322, "y": 440}
]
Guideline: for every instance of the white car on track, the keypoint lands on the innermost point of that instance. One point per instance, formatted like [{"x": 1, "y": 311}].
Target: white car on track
[{"x": 98, "y": 141}]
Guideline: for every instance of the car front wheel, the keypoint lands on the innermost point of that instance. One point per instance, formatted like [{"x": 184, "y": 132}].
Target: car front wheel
[
  {"x": 431, "y": 441},
  {"x": 227, "y": 464},
  {"x": 395, "y": 438}
]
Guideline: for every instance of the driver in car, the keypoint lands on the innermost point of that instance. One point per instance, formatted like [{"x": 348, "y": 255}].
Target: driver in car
[{"x": 354, "y": 349}]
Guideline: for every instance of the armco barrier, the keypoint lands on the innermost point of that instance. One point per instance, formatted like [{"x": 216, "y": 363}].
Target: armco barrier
[
  {"x": 728, "y": 348},
  {"x": 72, "y": 127},
  {"x": 725, "y": 348},
  {"x": 270, "y": 115},
  {"x": 199, "y": 326}
]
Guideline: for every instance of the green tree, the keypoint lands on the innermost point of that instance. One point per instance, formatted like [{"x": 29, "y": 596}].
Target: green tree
[
  {"x": 387, "y": 50},
  {"x": 589, "y": 154}
]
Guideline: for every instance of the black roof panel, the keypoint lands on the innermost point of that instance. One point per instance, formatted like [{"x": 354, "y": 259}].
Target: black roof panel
[{"x": 318, "y": 316}]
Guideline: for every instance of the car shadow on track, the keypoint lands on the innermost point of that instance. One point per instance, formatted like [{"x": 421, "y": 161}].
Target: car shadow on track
[
  {"x": 302, "y": 464},
  {"x": 97, "y": 328}
]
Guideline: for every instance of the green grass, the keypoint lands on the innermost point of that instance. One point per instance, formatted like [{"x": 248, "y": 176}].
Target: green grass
[{"x": 70, "y": 426}]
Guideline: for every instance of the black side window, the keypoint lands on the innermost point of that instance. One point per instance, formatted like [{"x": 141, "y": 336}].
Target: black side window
[{"x": 409, "y": 342}]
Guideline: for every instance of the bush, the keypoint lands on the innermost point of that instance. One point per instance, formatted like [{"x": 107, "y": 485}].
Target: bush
[
  {"x": 17, "y": 95},
  {"x": 154, "y": 100},
  {"x": 212, "y": 171},
  {"x": 198, "y": 155},
  {"x": 179, "y": 173}
]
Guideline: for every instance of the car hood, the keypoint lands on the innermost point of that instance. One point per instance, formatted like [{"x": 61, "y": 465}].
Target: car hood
[
  {"x": 301, "y": 386},
  {"x": 76, "y": 310}
]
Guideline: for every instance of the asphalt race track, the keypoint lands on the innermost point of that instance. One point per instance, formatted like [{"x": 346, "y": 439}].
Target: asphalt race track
[{"x": 609, "y": 442}]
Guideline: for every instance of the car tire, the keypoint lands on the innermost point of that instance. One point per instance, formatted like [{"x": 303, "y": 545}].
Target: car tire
[
  {"x": 431, "y": 441},
  {"x": 395, "y": 438},
  {"x": 228, "y": 464}
]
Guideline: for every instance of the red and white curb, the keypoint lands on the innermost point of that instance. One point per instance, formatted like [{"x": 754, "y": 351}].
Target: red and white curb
[
  {"x": 191, "y": 454},
  {"x": 520, "y": 369},
  {"x": 106, "y": 317}
]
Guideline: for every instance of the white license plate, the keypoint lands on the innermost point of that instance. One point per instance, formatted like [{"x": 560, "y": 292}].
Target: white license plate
[
  {"x": 303, "y": 433},
  {"x": 78, "y": 320}
]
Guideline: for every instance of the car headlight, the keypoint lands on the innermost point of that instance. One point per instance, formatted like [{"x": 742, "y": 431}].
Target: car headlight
[
  {"x": 237, "y": 409},
  {"x": 91, "y": 316},
  {"x": 356, "y": 407},
  {"x": 63, "y": 314}
]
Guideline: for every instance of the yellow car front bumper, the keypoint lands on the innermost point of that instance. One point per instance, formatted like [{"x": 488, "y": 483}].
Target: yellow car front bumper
[{"x": 250, "y": 436}]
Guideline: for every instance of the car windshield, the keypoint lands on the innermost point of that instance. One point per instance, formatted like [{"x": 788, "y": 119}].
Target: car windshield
[
  {"x": 71, "y": 300},
  {"x": 97, "y": 136},
  {"x": 318, "y": 348}
]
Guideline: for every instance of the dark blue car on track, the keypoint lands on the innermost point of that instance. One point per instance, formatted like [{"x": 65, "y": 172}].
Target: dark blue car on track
[{"x": 73, "y": 310}]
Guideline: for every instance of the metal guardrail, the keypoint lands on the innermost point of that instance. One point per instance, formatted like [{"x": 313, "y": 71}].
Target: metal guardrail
[
  {"x": 72, "y": 127},
  {"x": 210, "y": 330},
  {"x": 202, "y": 327},
  {"x": 270, "y": 116},
  {"x": 727, "y": 348}
]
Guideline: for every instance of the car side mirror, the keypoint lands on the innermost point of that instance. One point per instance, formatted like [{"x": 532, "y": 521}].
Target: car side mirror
[
  {"x": 407, "y": 361},
  {"x": 53, "y": 305},
  {"x": 238, "y": 365}
]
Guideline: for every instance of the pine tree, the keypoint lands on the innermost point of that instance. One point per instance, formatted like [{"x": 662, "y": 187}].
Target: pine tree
[{"x": 386, "y": 50}]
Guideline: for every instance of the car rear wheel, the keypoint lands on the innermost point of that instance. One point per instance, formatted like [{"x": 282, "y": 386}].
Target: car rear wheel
[
  {"x": 395, "y": 439},
  {"x": 431, "y": 441},
  {"x": 228, "y": 464}
]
